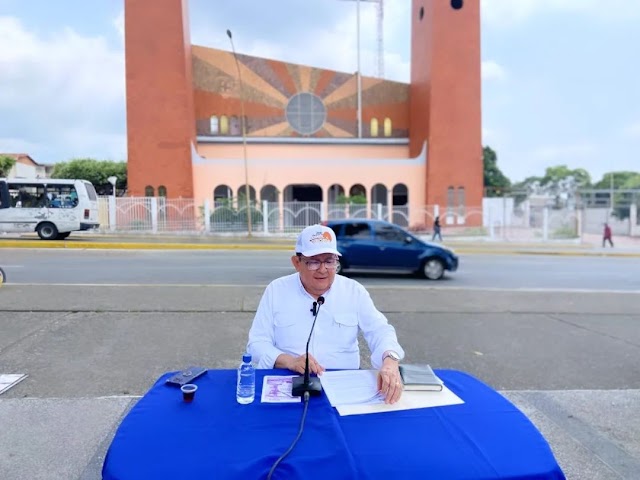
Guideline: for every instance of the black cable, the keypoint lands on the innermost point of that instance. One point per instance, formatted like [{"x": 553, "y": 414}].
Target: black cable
[{"x": 282, "y": 457}]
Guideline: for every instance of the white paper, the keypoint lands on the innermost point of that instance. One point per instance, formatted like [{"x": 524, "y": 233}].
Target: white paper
[
  {"x": 355, "y": 392},
  {"x": 351, "y": 387},
  {"x": 277, "y": 389},
  {"x": 9, "y": 380},
  {"x": 408, "y": 401}
]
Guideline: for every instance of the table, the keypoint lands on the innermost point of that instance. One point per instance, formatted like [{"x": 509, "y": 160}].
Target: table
[{"x": 214, "y": 437}]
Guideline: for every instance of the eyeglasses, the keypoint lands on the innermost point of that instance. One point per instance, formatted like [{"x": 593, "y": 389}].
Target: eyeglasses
[{"x": 329, "y": 263}]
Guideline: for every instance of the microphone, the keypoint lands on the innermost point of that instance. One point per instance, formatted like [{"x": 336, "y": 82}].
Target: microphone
[{"x": 304, "y": 383}]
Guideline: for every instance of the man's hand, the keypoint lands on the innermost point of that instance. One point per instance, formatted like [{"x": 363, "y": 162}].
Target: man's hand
[
  {"x": 389, "y": 381},
  {"x": 297, "y": 364}
]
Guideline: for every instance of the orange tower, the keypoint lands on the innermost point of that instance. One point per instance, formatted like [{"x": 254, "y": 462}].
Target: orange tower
[
  {"x": 445, "y": 99},
  {"x": 160, "y": 110},
  {"x": 444, "y": 104}
]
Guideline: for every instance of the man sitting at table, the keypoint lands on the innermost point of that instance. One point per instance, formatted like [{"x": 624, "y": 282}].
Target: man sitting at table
[{"x": 281, "y": 327}]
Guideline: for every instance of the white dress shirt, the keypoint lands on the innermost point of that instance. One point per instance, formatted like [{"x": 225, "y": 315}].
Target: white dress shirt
[{"x": 284, "y": 318}]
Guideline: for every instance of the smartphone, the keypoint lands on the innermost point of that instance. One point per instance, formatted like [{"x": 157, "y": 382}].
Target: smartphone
[{"x": 188, "y": 375}]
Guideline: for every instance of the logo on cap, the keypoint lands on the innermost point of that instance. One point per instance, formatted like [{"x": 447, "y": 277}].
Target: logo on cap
[{"x": 320, "y": 237}]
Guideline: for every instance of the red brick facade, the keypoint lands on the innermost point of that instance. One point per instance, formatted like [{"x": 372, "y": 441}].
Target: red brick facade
[
  {"x": 173, "y": 90},
  {"x": 160, "y": 114},
  {"x": 445, "y": 106}
]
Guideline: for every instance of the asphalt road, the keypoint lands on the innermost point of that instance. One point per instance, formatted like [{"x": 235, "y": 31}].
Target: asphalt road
[{"x": 150, "y": 267}]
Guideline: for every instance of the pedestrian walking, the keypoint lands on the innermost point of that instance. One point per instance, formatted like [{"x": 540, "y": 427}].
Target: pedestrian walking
[
  {"x": 436, "y": 229},
  {"x": 607, "y": 236}
]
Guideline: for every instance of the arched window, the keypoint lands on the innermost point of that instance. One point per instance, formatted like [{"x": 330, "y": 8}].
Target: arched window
[
  {"x": 451, "y": 193},
  {"x": 387, "y": 127},
  {"x": 334, "y": 193},
  {"x": 162, "y": 191},
  {"x": 224, "y": 125},
  {"x": 149, "y": 192},
  {"x": 374, "y": 127},
  {"x": 269, "y": 193},
  {"x": 379, "y": 194},
  {"x": 358, "y": 190},
  {"x": 222, "y": 194},
  {"x": 242, "y": 192},
  {"x": 400, "y": 194},
  {"x": 461, "y": 201},
  {"x": 214, "y": 125},
  {"x": 234, "y": 126},
  {"x": 400, "y": 199}
]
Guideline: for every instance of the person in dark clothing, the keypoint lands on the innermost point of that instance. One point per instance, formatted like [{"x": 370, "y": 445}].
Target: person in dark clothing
[
  {"x": 607, "y": 236},
  {"x": 436, "y": 229}
]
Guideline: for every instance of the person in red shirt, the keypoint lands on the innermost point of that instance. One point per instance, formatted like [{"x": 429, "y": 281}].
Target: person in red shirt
[{"x": 607, "y": 235}]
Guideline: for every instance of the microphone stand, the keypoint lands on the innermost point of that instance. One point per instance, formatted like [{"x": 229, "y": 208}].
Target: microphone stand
[{"x": 305, "y": 383}]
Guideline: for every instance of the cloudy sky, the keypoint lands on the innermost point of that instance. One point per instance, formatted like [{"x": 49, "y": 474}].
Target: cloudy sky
[{"x": 560, "y": 79}]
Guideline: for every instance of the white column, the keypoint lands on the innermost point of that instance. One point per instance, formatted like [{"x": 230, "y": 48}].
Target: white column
[
  {"x": 154, "y": 214},
  {"x": 490, "y": 220},
  {"x": 545, "y": 224},
  {"x": 112, "y": 213},
  {"x": 265, "y": 216},
  {"x": 579, "y": 212}
]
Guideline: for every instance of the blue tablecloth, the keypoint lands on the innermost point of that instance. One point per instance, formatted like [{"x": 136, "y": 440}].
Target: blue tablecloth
[{"x": 214, "y": 437}]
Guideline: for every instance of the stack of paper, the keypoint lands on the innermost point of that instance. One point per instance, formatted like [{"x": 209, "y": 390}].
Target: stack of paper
[{"x": 355, "y": 392}]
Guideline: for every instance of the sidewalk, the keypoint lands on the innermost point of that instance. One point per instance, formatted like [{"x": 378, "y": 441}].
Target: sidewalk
[{"x": 588, "y": 245}]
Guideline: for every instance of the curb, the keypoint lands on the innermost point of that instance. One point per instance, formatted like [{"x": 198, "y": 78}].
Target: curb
[
  {"x": 134, "y": 245},
  {"x": 84, "y": 245}
]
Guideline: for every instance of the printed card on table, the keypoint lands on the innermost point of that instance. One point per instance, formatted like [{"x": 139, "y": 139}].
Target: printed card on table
[{"x": 277, "y": 389}]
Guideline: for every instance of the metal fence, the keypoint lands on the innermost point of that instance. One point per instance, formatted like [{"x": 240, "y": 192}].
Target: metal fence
[
  {"x": 149, "y": 214},
  {"x": 498, "y": 218}
]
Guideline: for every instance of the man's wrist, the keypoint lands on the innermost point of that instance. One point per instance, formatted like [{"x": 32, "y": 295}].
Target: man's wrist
[
  {"x": 390, "y": 355},
  {"x": 283, "y": 361}
]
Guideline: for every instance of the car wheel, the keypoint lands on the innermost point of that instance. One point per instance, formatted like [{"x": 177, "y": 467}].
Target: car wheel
[
  {"x": 47, "y": 231},
  {"x": 433, "y": 269},
  {"x": 3, "y": 277}
]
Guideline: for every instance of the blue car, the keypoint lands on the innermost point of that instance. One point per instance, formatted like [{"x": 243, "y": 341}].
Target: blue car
[{"x": 382, "y": 246}]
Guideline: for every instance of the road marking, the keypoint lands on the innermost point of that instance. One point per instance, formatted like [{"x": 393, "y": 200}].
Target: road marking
[{"x": 368, "y": 287}]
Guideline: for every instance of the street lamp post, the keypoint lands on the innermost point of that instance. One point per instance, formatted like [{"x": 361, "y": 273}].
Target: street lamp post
[
  {"x": 611, "y": 203},
  {"x": 112, "y": 204},
  {"x": 244, "y": 134}
]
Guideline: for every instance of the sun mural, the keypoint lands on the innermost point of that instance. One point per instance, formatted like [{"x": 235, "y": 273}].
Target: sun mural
[{"x": 288, "y": 100}]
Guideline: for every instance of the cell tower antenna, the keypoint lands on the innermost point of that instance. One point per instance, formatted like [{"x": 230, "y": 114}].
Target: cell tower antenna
[{"x": 379, "y": 34}]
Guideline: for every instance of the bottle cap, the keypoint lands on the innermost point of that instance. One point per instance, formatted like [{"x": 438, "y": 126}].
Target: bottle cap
[{"x": 246, "y": 357}]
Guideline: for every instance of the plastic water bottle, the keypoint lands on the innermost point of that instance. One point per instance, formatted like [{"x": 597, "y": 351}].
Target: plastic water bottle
[{"x": 246, "y": 391}]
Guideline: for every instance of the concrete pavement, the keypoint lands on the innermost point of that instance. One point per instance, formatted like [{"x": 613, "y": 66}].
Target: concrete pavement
[{"x": 568, "y": 362}]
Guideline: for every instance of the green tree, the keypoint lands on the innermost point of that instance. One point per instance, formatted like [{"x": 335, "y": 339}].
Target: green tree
[
  {"x": 95, "y": 171},
  {"x": 620, "y": 182},
  {"x": 358, "y": 199},
  {"x": 555, "y": 175},
  {"x": 495, "y": 182},
  {"x": 624, "y": 180},
  {"x": 6, "y": 164}
]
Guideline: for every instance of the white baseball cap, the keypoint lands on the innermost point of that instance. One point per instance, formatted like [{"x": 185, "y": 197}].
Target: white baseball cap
[{"x": 315, "y": 240}]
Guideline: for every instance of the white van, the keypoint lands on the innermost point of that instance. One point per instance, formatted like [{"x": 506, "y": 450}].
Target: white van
[{"x": 51, "y": 207}]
